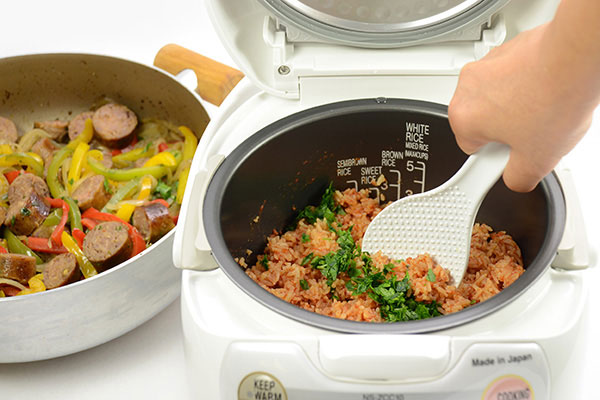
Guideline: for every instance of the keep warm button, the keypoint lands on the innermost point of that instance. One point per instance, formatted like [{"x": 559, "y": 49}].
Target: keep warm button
[{"x": 509, "y": 387}]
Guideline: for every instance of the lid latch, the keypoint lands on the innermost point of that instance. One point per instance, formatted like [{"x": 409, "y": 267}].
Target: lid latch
[
  {"x": 492, "y": 36},
  {"x": 284, "y": 75}
]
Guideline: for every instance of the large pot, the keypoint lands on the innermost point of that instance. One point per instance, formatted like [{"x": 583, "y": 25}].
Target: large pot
[
  {"x": 93, "y": 311},
  {"x": 288, "y": 164}
]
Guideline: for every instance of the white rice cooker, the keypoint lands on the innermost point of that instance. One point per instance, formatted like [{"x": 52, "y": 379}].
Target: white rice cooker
[{"x": 320, "y": 66}]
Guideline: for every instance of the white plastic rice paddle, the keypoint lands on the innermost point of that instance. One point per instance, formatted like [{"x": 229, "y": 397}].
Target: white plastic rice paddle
[{"x": 439, "y": 222}]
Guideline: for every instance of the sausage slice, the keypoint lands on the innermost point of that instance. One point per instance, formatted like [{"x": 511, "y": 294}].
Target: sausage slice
[
  {"x": 153, "y": 221},
  {"x": 26, "y": 215},
  {"x": 114, "y": 125},
  {"x": 91, "y": 193},
  {"x": 20, "y": 188},
  {"x": 107, "y": 245},
  {"x": 56, "y": 128},
  {"x": 17, "y": 267},
  {"x": 78, "y": 123},
  {"x": 8, "y": 131},
  {"x": 61, "y": 270}
]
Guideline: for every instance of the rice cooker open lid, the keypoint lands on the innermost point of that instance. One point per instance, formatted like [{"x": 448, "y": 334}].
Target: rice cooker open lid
[{"x": 277, "y": 43}]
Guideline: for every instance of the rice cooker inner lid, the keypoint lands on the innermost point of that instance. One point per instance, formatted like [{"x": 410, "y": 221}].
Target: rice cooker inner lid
[{"x": 359, "y": 21}]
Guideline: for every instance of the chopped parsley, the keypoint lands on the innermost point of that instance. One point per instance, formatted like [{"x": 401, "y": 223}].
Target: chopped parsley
[
  {"x": 304, "y": 284},
  {"x": 430, "y": 275},
  {"x": 305, "y": 238},
  {"x": 326, "y": 210},
  {"x": 332, "y": 264},
  {"x": 71, "y": 181},
  {"x": 147, "y": 147},
  {"x": 307, "y": 259},
  {"x": 265, "y": 262},
  {"x": 107, "y": 186},
  {"x": 12, "y": 220},
  {"x": 25, "y": 212},
  {"x": 163, "y": 190}
]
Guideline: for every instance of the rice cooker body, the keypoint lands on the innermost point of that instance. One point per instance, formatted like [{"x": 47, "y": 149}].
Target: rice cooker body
[{"x": 288, "y": 164}]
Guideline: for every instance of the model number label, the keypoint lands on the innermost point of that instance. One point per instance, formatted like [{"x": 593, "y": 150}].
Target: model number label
[{"x": 382, "y": 396}]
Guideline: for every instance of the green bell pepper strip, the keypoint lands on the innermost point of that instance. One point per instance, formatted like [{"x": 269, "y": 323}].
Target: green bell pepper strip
[
  {"x": 16, "y": 246},
  {"x": 56, "y": 188},
  {"x": 74, "y": 213},
  {"x": 133, "y": 155},
  {"x": 123, "y": 192},
  {"x": 8, "y": 160},
  {"x": 121, "y": 175},
  {"x": 53, "y": 218}
]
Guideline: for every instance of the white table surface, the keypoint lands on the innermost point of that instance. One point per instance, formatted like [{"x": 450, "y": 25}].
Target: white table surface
[{"x": 147, "y": 363}]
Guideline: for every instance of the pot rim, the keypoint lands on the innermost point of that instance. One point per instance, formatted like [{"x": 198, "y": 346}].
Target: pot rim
[{"x": 550, "y": 186}]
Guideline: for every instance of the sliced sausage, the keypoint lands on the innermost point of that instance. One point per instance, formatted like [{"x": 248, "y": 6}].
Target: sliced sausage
[
  {"x": 61, "y": 270},
  {"x": 8, "y": 131},
  {"x": 3, "y": 211},
  {"x": 107, "y": 245},
  {"x": 17, "y": 267},
  {"x": 114, "y": 125},
  {"x": 25, "y": 216},
  {"x": 20, "y": 188},
  {"x": 91, "y": 193},
  {"x": 153, "y": 221},
  {"x": 46, "y": 149},
  {"x": 78, "y": 123},
  {"x": 56, "y": 128}
]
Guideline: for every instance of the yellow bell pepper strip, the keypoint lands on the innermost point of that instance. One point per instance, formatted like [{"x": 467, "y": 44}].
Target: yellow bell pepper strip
[
  {"x": 139, "y": 244},
  {"x": 16, "y": 246},
  {"x": 57, "y": 190},
  {"x": 124, "y": 212},
  {"x": 85, "y": 136},
  {"x": 164, "y": 158},
  {"x": 190, "y": 143},
  {"x": 77, "y": 164},
  {"x": 5, "y": 149},
  {"x": 123, "y": 192},
  {"x": 36, "y": 285},
  {"x": 86, "y": 267},
  {"x": 133, "y": 155},
  {"x": 37, "y": 157},
  {"x": 9, "y": 160},
  {"x": 2, "y": 294},
  {"x": 56, "y": 235},
  {"x": 121, "y": 175},
  {"x": 183, "y": 177}
]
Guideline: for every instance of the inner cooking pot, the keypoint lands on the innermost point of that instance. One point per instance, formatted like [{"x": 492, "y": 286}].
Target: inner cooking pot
[{"x": 279, "y": 170}]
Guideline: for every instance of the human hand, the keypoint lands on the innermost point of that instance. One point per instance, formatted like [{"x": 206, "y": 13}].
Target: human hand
[{"x": 519, "y": 95}]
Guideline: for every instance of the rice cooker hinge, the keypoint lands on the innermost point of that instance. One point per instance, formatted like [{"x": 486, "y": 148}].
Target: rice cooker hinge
[{"x": 292, "y": 59}]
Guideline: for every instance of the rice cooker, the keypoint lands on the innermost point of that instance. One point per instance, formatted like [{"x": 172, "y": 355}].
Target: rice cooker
[{"x": 347, "y": 92}]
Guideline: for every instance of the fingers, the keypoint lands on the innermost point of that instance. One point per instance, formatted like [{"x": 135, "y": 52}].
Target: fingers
[{"x": 522, "y": 174}]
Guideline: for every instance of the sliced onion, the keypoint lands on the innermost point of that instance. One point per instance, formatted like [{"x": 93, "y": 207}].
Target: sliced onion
[{"x": 11, "y": 282}]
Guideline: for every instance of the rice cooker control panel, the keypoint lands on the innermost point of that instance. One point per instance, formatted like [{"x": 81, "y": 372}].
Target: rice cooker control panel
[{"x": 485, "y": 371}]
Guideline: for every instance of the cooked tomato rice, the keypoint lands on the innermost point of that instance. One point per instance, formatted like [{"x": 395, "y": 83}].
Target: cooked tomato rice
[{"x": 495, "y": 262}]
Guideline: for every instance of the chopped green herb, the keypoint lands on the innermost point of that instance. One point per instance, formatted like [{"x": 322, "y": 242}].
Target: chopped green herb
[
  {"x": 304, "y": 284},
  {"x": 163, "y": 190},
  {"x": 307, "y": 259},
  {"x": 12, "y": 220},
  {"x": 326, "y": 210},
  {"x": 430, "y": 275},
  {"x": 147, "y": 147},
  {"x": 265, "y": 262},
  {"x": 71, "y": 181},
  {"x": 25, "y": 211},
  {"x": 305, "y": 238},
  {"x": 332, "y": 264},
  {"x": 107, "y": 186},
  {"x": 473, "y": 302}
]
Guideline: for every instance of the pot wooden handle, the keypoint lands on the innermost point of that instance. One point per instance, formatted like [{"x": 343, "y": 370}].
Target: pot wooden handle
[{"x": 215, "y": 80}]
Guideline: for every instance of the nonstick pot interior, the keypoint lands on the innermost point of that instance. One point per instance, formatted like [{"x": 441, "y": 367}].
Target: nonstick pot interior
[{"x": 270, "y": 177}]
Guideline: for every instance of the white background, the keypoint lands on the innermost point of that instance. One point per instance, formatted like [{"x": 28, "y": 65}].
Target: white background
[{"x": 148, "y": 362}]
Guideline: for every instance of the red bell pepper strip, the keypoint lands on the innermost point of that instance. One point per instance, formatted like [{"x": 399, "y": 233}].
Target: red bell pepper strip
[
  {"x": 78, "y": 235},
  {"x": 160, "y": 201},
  {"x": 162, "y": 147},
  {"x": 3, "y": 250},
  {"x": 115, "y": 152},
  {"x": 9, "y": 290},
  {"x": 58, "y": 230},
  {"x": 12, "y": 175},
  {"x": 43, "y": 246},
  {"x": 88, "y": 223},
  {"x": 139, "y": 244}
]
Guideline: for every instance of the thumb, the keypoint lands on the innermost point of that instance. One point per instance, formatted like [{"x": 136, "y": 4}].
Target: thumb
[{"x": 521, "y": 174}]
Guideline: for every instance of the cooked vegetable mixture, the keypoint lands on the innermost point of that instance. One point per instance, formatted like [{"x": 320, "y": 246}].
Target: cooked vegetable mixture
[
  {"x": 79, "y": 197},
  {"x": 318, "y": 265}
]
